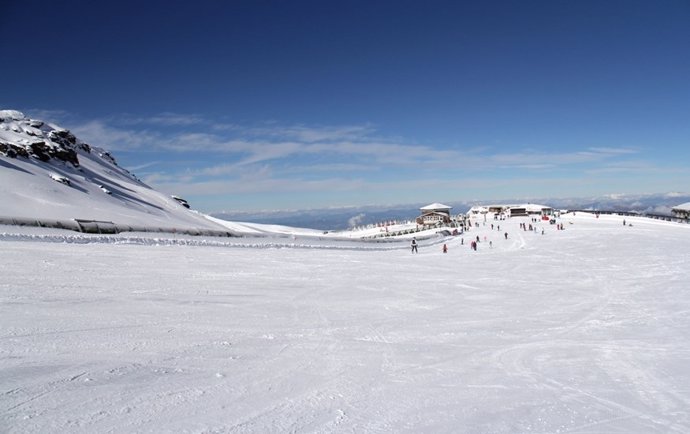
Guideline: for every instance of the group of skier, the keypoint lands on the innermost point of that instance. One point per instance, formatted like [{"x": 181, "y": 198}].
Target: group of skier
[{"x": 473, "y": 244}]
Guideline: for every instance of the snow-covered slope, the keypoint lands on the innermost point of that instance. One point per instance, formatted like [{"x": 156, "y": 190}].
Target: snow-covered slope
[
  {"x": 47, "y": 173},
  {"x": 580, "y": 330}
]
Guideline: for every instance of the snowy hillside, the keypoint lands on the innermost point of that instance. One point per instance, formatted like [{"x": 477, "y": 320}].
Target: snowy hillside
[
  {"x": 48, "y": 173},
  {"x": 581, "y": 330}
]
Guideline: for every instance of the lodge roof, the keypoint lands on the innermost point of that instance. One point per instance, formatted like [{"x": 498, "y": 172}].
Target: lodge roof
[{"x": 435, "y": 207}]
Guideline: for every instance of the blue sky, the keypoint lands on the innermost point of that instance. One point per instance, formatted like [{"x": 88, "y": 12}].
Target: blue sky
[{"x": 250, "y": 105}]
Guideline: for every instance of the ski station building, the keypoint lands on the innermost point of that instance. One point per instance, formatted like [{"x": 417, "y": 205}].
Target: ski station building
[
  {"x": 512, "y": 210},
  {"x": 434, "y": 214},
  {"x": 682, "y": 211}
]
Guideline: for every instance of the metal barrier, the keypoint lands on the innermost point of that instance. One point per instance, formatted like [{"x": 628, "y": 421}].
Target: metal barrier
[
  {"x": 107, "y": 227},
  {"x": 668, "y": 218}
]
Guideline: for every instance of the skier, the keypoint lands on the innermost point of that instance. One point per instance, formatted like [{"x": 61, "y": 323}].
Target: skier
[
  {"x": 414, "y": 245},
  {"x": 506, "y": 235},
  {"x": 445, "y": 249}
]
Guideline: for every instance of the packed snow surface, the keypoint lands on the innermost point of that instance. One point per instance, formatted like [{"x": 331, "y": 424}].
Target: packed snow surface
[{"x": 581, "y": 330}]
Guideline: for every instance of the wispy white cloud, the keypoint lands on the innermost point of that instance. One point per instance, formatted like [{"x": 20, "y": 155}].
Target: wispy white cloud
[
  {"x": 52, "y": 116},
  {"x": 357, "y": 145},
  {"x": 319, "y": 134},
  {"x": 175, "y": 119},
  {"x": 550, "y": 160},
  {"x": 262, "y": 185},
  {"x": 113, "y": 138},
  {"x": 226, "y": 158},
  {"x": 628, "y": 166},
  {"x": 143, "y": 166},
  {"x": 164, "y": 119},
  {"x": 614, "y": 151},
  {"x": 330, "y": 168}
]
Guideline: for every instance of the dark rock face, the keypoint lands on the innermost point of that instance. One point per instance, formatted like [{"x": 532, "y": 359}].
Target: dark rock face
[
  {"x": 13, "y": 151},
  {"x": 68, "y": 155},
  {"x": 44, "y": 153},
  {"x": 40, "y": 150},
  {"x": 108, "y": 157},
  {"x": 62, "y": 137},
  {"x": 66, "y": 142},
  {"x": 181, "y": 201},
  {"x": 61, "y": 145},
  {"x": 40, "y": 140}
]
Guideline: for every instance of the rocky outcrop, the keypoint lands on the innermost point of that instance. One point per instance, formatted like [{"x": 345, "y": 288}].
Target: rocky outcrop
[
  {"x": 35, "y": 139},
  {"x": 13, "y": 151},
  {"x": 108, "y": 157},
  {"x": 62, "y": 137},
  {"x": 40, "y": 151}
]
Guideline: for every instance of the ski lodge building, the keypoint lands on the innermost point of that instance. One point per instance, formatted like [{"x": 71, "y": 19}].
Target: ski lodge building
[
  {"x": 512, "y": 210},
  {"x": 681, "y": 211},
  {"x": 434, "y": 214}
]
